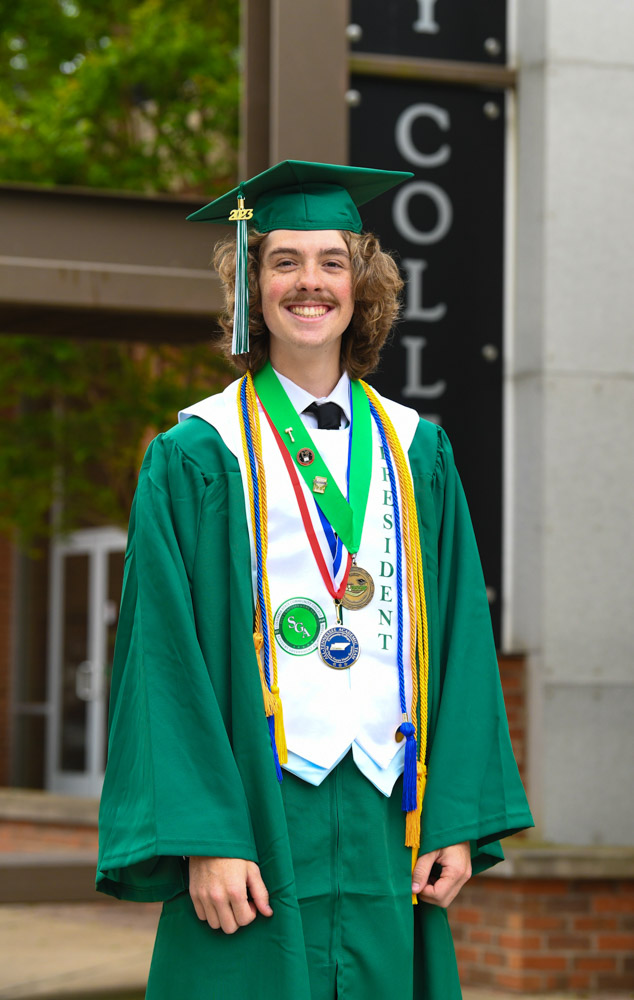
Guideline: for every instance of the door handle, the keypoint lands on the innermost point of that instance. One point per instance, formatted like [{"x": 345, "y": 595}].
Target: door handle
[{"x": 86, "y": 682}]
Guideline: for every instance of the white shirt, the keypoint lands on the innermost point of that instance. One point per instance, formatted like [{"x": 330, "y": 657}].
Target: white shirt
[
  {"x": 300, "y": 399},
  {"x": 382, "y": 778}
]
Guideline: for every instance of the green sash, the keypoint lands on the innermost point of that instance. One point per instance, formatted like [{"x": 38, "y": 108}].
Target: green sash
[{"x": 345, "y": 517}]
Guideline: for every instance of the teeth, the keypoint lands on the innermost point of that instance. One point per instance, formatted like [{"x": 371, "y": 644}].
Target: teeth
[{"x": 308, "y": 310}]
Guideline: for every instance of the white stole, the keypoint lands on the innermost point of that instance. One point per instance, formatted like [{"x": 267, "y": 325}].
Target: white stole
[{"x": 326, "y": 710}]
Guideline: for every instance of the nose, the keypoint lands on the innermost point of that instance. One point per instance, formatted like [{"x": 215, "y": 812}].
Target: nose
[{"x": 308, "y": 277}]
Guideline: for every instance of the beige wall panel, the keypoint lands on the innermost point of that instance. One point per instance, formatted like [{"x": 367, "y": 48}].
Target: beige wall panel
[
  {"x": 96, "y": 255},
  {"x": 309, "y": 79},
  {"x": 254, "y": 111}
]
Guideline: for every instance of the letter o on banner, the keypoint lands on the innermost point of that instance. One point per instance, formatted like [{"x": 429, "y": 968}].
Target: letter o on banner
[
  {"x": 403, "y": 135},
  {"x": 401, "y": 219}
]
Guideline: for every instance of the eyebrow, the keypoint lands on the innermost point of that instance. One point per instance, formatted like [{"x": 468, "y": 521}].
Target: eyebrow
[{"x": 293, "y": 251}]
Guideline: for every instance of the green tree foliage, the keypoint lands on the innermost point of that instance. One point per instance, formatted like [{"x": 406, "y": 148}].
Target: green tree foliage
[
  {"x": 81, "y": 413},
  {"x": 128, "y": 94}
]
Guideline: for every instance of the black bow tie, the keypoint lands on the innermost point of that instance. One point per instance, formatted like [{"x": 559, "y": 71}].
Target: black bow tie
[{"x": 328, "y": 415}]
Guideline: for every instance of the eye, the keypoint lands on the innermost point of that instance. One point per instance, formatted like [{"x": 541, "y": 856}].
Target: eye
[{"x": 334, "y": 264}]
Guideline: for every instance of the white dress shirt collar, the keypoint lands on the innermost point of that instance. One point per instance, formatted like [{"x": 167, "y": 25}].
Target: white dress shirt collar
[{"x": 300, "y": 398}]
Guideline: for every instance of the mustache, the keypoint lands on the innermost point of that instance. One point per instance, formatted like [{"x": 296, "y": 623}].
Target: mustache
[{"x": 314, "y": 300}]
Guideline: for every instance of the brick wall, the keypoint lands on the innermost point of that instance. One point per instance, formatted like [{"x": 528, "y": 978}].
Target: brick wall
[
  {"x": 540, "y": 935},
  {"x": 6, "y": 603},
  {"x": 513, "y": 677}
]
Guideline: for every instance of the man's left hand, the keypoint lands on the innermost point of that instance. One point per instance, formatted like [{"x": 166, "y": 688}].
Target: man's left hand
[{"x": 455, "y": 862}]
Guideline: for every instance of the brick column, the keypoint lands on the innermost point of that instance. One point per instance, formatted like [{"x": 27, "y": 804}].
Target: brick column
[
  {"x": 6, "y": 605},
  {"x": 513, "y": 677},
  {"x": 539, "y": 934}
]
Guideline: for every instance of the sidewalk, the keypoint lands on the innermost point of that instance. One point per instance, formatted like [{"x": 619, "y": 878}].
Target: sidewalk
[
  {"x": 76, "y": 950},
  {"x": 94, "y": 951}
]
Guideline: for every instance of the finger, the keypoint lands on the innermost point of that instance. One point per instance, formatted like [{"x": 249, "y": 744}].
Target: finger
[
  {"x": 429, "y": 895},
  {"x": 243, "y": 911},
  {"x": 211, "y": 916},
  {"x": 199, "y": 908},
  {"x": 438, "y": 892},
  {"x": 226, "y": 917},
  {"x": 420, "y": 875},
  {"x": 445, "y": 890},
  {"x": 258, "y": 890}
]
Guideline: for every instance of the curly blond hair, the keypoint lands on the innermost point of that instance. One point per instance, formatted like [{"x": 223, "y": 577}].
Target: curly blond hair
[{"x": 376, "y": 285}]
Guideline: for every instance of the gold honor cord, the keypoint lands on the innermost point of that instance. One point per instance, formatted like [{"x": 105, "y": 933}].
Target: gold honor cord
[{"x": 272, "y": 700}]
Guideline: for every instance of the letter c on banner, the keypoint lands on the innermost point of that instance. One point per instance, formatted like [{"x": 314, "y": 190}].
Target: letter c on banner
[
  {"x": 401, "y": 219},
  {"x": 403, "y": 135}
]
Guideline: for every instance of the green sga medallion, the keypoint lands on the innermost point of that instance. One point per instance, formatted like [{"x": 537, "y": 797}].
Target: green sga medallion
[{"x": 299, "y": 623}]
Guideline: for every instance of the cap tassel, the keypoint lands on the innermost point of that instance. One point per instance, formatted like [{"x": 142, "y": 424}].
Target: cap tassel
[{"x": 240, "y": 339}]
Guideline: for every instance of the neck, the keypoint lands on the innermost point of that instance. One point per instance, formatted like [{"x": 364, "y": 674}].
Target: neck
[{"x": 318, "y": 376}]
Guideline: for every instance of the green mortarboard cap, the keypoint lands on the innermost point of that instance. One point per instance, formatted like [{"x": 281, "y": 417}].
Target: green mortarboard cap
[{"x": 296, "y": 194}]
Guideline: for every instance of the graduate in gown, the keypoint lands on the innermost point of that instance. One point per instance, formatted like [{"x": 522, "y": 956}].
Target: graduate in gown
[{"x": 308, "y": 751}]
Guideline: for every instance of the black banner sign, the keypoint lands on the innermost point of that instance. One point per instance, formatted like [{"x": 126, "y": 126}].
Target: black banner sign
[
  {"x": 447, "y": 226},
  {"x": 466, "y": 30}
]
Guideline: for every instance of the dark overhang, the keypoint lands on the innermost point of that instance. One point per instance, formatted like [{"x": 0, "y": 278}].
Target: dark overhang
[{"x": 97, "y": 263}]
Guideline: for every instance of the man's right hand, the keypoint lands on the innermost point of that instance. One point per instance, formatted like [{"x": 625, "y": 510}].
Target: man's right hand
[{"x": 219, "y": 887}]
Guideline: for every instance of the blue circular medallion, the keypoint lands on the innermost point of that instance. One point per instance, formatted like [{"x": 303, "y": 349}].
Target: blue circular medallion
[{"x": 339, "y": 647}]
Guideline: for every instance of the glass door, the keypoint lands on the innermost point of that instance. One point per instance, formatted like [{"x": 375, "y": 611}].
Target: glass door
[{"x": 85, "y": 590}]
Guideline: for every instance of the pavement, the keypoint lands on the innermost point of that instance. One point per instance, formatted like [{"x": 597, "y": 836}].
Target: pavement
[
  {"x": 76, "y": 950},
  {"x": 102, "y": 951}
]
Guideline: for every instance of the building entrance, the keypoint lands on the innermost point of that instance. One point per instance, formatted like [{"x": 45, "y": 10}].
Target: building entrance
[{"x": 86, "y": 573}]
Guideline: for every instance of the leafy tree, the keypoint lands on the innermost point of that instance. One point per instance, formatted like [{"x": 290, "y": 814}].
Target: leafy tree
[
  {"x": 125, "y": 94},
  {"x": 82, "y": 413},
  {"x": 128, "y": 94}
]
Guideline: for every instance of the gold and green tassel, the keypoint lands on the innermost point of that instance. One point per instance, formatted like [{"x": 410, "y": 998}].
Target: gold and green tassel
[{"x": 240, "y": 339}]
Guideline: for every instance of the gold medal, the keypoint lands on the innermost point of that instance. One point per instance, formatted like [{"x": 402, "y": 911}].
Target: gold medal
[{"x": 359, "y": 589}]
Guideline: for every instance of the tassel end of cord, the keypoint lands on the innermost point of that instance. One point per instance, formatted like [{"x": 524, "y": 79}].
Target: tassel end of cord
[
  {"x": 269, "y": 701},
  {"x": 280, "y": 735},
  {"x": 412, "y": 821},
  {"x": 409, "y": 774}
]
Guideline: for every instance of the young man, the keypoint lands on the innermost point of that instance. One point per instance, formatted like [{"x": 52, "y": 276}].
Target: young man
[{"x": 307, "y": 729}]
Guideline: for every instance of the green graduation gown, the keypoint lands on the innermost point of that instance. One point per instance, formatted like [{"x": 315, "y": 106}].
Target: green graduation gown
[{"x": 190, "y": 769}]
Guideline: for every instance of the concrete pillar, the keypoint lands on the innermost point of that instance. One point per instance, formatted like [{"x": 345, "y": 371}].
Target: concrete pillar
[
  {"x": 6, "y": 625},
  {"x": 571, "y": 386},
  {"x": 296, "y": 77}
]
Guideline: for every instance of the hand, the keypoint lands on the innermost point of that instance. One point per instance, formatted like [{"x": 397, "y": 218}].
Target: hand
[
  {"x": 218, "y": 888},
  {"x": 455, "y": 862}
]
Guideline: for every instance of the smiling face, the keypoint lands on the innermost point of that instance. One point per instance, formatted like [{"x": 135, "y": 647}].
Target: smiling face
[{"x": 306, "y": 295}]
